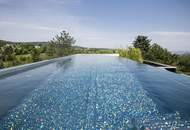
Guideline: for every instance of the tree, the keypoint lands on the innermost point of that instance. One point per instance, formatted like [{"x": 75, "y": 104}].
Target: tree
[
  {"x": 143, "y": 43},
  {"x": 155, "y": 52},
  {"x": 184, "y": 62},
  {"x": 8, "y": 53},
  {"x": 159, "y": 54},
  {"x": 62, "y": 44}
]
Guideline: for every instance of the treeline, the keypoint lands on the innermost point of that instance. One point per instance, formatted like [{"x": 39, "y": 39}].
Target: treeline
[
  {"x": 154, "y": 52},
  {"x": 85, "y": 50},
  {"x": 17, "y": 53},
  {"x": 12, "y": 54}
]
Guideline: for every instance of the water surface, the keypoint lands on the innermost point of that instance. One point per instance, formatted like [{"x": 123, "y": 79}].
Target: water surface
[{"x": 95, "y": 92}]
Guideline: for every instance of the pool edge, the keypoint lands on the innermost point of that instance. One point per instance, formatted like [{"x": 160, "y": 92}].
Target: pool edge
[{"x": 25, "y": 67}]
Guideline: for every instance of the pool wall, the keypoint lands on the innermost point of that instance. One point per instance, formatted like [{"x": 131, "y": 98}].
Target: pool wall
[
  {"x": 156, "y": 64},
  {"x": 21, "y": 68}
]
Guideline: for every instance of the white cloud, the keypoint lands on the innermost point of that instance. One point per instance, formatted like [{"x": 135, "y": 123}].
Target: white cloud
[
  {"x": 28, "y": 26},
  {"x": 174, "y": 41},
  {"x": 89, "y": 36},
  {"x": 166, "y": 33}
]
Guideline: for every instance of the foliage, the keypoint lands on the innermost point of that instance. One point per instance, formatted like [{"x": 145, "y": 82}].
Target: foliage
[
  {"x": 8, "y": 53},
  {"x": 98, "y": 51},
  {"x": 44, "y": 56},
  {"x": 143, "y": 43},
  {"x": 50, "y": 49},
  {"x": 159, "y": 54},
  {"x": 23, "y": 59},
  {"x": 12, "y": 53},
  {"x": 184, "y": 62},
  {"x": 61, "y": 44},
  {"x": 1, "y": 64},
  {"x": 122, "y": 52},
  {"x": 16, "y": 53},
  {"x": 131, "y": 53},
  {"x": 3, "y": 43},
  {"x": 1, "y": 59},
  {"x": 35, "y": 54}
]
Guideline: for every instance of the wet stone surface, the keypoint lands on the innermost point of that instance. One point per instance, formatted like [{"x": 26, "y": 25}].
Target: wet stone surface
[{"x": 101, "y": 95}]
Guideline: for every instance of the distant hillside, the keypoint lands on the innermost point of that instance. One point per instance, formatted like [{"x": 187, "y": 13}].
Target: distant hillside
[
  {"x": 182, "y": 52},
  {"x": 3, "y": 42}
]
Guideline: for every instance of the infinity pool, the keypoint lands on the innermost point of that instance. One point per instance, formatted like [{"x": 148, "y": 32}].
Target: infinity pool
[{"x": 95, "y": 92}]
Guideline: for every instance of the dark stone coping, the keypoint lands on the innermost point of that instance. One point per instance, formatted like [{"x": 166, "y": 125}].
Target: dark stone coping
[
  {"x": 156, "y": 64},
  {"x": 25, "y": 67}
]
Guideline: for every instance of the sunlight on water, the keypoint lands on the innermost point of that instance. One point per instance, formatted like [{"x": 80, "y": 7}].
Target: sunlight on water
[{"x": 97, "y": 96}]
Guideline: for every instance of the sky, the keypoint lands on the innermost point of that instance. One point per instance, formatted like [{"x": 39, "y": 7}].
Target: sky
[{"x": 98, "y": 23}]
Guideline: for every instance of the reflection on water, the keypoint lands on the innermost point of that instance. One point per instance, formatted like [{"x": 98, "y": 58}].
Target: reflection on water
[
  {"x": 14, "y": 88},
  {"x": 96, "y": 92},
  {"x": 168, "y": 89},
  {"x": 64, "y": 64}
]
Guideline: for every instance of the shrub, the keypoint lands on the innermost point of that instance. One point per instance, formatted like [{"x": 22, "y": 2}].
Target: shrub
[
  {"x": 184, "y": 62},
  {"x": 1, "y": 64},
  {"x": 131, "y": 53},
  {"x": 35, "y": 54},
  {"x": 122, "y": 52}
]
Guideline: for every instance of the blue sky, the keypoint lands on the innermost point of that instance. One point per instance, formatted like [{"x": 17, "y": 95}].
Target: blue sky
[{"x": 98, "y": 23}]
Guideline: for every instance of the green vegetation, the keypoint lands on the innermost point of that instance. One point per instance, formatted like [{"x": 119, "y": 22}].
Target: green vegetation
[
  {"x": 61, "y": 45},
  {"x": 155, "y": 52},
  {"x": 162, "y": 55},
  {"x": 184, "y": 63},
  {"x": 131, "y": 53},
  {"x": 84, "y": 50},
  {"x": 17, "y": 53},
  {"x": 143, "y": 43}
]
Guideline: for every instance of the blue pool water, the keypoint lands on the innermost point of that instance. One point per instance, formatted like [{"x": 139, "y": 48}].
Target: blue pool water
[{"x": 95, "y": 92}]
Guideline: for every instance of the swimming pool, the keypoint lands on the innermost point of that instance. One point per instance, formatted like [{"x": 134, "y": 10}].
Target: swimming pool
[{"x": 95, "y": 92}]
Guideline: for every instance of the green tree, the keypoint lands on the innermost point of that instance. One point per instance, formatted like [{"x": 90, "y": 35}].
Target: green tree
[
  {"x": 143, "y": 43},
  {"x": 184, "y": 62},
  {"x": 8, "y": 53},
  {"x": 62, "y": 44},
  {"x": 159, "y": 54}
]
